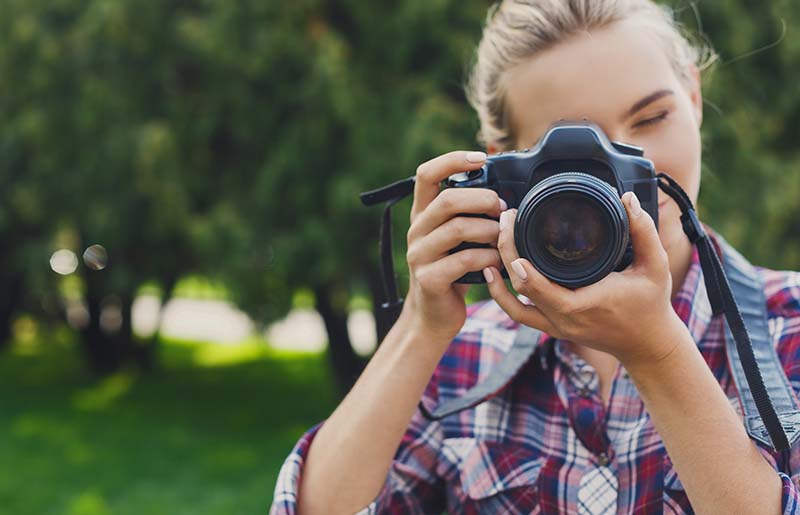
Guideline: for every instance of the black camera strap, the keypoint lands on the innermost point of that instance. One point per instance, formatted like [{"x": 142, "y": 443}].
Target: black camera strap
[
  {"x": 749, "y": 368},
  {"x": 392, "y": 305},
  {"x": 763, "y": 423}
]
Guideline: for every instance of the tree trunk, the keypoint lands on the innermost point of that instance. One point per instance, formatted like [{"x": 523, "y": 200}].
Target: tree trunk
[
  {"x": 150, "y": 349},
  {"x": 97, "y": 346},
  {"x": 127, "y": 348},
  {"x": 100, "y": 349},
  {"x": 347, "y": 365},
  {"x": 11, "y": 294}
]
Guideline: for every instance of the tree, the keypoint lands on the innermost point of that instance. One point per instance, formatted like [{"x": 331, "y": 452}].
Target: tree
[{"x": 232, "y": 139}]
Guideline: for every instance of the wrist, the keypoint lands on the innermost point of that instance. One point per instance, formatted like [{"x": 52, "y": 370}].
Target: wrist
[
  {"x": 659, "y": 348},
  {"x": 416, "y": 330}
]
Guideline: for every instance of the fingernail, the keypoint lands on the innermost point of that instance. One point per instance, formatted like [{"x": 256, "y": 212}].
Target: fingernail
[
  {"x": 476, "y": 157},
  {"x": 636, "y": 208},
  {"x": 503, "y": 220},
  {"x": 503, "y": 205},
  {"x": 519, "y": 270},
  {"x": 487, "y": 274}
]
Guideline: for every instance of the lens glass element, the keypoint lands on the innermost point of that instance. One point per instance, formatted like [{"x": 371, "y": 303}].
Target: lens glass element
[{"x": 570, "y": 230}]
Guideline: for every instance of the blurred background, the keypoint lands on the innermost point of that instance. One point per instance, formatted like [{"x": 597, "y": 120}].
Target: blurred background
[{"x": 187, "y": 276}]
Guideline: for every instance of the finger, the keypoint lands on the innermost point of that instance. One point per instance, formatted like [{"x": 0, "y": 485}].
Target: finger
[
  {"x": 438, "y": 276},
  {"x": 449, "y": 235},
  {"x": 648, "y": 253},
  {"x": 431, "y": 173},
  {"x": 505, "y": 240},
  {"x": 452, "y": 202},
  {"x": 529, "y": 315},
  {"x": 525, "y": 278}
]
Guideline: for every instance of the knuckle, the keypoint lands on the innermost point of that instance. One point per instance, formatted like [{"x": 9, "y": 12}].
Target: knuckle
[
  {"x": 447, "y": 200},
  {"x": 567, "y": 308},
  {"x": 459, "y": 228},
  {"x": 466, "y": 260},
  {"x": 518, "y": 285},
  {"x": 411, "y": 235},
  {"x": 412, "y": 255},
  {"x": 431, "y": 282},
  {"x": 503, "y": 244},
  {"x": 422, "y": 171}
]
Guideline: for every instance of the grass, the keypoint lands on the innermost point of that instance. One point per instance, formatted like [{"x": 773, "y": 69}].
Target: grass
[{"x": 204, "y": 435}]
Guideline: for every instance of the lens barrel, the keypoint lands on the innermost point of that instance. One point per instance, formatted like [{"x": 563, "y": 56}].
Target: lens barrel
[{"x": 573, "y": 228}]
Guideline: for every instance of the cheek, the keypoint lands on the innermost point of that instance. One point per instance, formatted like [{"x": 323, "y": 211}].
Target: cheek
[{"x": 675, "y": 150}]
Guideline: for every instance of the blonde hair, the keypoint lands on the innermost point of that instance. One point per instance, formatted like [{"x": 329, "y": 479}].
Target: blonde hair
[{"x": 517, "y": 30}]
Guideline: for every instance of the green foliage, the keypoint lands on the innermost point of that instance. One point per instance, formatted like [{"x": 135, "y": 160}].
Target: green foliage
[
  {"x": 231, "y": 139},
  {"x": 751, "y": 182}
]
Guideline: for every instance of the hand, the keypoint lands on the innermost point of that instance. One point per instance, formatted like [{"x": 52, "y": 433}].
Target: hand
[
  {"x": 627, "y": 314},
  {"x": 434, "y": 304}
]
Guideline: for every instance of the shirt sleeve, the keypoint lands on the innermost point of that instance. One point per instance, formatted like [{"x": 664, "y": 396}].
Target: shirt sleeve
[
  {"x": 783, "y": 305},
  {"x": 412, "y": 485},
  {"x": 790, "y": 496}
]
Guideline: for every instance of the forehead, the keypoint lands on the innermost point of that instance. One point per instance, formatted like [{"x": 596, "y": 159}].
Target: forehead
[{"x": 596, "y": 74}]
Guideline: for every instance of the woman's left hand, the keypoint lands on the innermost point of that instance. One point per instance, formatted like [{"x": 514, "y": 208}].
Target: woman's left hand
[{"x": 628, "y": 314}]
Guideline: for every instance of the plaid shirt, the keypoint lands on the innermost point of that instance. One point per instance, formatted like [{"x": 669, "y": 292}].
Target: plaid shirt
[{"x": 545, "y": 443}]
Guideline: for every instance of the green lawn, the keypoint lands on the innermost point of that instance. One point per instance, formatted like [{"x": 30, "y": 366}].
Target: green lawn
[{"x": 205, "y": 435}]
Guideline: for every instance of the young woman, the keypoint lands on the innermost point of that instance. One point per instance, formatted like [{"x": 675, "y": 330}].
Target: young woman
[{"x": 632, "y": 391}]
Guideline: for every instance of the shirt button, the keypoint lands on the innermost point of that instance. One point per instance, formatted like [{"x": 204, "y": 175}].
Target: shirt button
[
  {"x": 602, "y": 459},
  {"x": 585, "y": 392},
  {"x": 625, "y": 375}
]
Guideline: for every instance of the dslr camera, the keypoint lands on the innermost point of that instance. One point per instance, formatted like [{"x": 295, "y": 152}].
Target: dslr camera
[{"x": 571, "y": 224}]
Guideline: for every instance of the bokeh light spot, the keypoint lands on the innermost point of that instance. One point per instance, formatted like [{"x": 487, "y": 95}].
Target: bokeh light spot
[
  {"x": 95, "y": 257},
  {"x": 63, "y": 261}
]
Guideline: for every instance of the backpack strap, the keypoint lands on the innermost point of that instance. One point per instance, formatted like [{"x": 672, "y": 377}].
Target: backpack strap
[{"x": 748, "y": 290}]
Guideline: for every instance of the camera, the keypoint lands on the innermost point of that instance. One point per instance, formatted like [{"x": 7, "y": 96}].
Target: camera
[{"x": 571, "y": 224}]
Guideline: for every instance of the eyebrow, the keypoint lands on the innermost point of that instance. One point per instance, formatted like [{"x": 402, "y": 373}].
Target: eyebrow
[{"x": 649, "y": 99}]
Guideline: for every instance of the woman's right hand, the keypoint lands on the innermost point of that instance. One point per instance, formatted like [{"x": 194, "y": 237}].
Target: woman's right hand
[{"x": 435, "y": 305}]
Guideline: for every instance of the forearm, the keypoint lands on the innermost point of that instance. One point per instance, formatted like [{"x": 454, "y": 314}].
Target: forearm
[
  {"x": 719, "y": 466},
  {"x": 350, "y": 456}
]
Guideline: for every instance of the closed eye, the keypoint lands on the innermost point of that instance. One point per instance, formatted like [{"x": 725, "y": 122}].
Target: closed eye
[{"x": 652, "y": 121}]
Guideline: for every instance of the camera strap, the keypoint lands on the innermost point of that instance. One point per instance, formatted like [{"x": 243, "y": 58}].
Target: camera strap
[
  {"x": 768, "y": 401},
  {"x": 392, "y": 305},
  {"x": 769, "y": 404}
]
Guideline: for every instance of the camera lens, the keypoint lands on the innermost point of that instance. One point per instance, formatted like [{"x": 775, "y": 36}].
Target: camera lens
[
  {"x": 573, "y": 228},
  {"x": 570, "y": 230}
]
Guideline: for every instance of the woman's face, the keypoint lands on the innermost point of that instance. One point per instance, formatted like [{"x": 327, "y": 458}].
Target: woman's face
[{"x": 620, "y": 78}]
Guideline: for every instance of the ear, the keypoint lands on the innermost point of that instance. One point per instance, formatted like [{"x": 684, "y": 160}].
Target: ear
[{"x": 695, "y": 92}]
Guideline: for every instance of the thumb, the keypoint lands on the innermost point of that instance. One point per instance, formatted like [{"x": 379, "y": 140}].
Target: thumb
[{"x": 647, "y": 249}]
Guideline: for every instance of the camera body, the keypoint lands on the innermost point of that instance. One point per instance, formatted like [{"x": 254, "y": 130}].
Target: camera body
[{"x": 571, "y": 223}]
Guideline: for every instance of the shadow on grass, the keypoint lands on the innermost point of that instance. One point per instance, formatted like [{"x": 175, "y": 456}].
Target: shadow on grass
[{"x": 206, "y": 434}]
